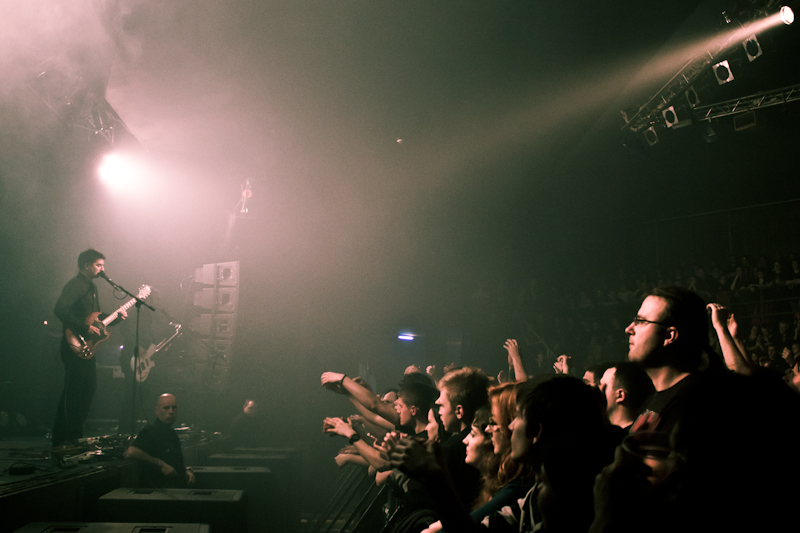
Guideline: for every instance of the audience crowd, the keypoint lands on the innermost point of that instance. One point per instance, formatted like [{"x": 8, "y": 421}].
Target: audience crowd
[
  {"x": 550, "y": 320},
  {"x": 692, "y": 424}
]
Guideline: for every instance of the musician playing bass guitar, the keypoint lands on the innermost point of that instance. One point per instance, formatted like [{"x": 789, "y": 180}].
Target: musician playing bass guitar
[{"x": 78, "y": 301}]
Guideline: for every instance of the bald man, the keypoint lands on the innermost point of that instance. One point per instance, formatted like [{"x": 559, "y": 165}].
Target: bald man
[{"x": 158, "y": 449}]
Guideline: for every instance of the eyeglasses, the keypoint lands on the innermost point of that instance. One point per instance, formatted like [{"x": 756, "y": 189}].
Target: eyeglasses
[{"x": 638, "y": 321}]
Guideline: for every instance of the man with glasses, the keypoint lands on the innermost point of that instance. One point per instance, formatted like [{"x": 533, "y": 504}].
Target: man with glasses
[{"x": 667, "y": 339}]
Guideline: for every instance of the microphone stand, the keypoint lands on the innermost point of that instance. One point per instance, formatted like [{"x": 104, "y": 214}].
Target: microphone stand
[{"x": 139, "y": 304}]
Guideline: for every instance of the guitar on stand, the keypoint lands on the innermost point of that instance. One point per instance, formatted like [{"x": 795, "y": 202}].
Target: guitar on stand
[
  {"x": 84, "y": 346},
  {"x": 145, "y": 359}
]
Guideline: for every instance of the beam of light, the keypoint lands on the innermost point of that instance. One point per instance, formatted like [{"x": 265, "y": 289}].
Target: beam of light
[
  {"x": 587, "y": 91},
  {"x": 406, "y": 337}
]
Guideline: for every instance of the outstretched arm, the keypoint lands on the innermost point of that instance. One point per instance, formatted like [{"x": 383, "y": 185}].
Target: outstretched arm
[
  {"x": 371, "y": 417},
  {"x": 338, "y": 426},
  {"x": 364, "y": 396}
]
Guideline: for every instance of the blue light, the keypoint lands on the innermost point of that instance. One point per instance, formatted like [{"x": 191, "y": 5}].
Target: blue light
[{"x": 406, "y": 337}]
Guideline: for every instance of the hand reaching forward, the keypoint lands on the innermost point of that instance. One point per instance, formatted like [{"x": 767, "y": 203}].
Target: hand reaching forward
[
  {"x": 333, "y": 381},
  {"x": 337, "y": 426}
]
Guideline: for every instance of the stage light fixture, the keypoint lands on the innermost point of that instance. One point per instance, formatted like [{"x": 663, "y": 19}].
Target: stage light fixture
[
  {"x": 723, "y": 73},
  {"x": 676, "y": 117},
  {"x": 751, "y": 47},
  {"x": 709, "y": 135},
  {"x": 787, "y": 15},
  {"x": 651, "y": 136},
  {"x": 691, "y": 97}
]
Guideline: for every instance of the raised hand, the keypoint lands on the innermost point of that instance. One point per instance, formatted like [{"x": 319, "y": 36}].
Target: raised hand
[
  {"x": 512, "y": 347},
  {"x": 733, "y": 326},
  {"x": 562, "y": 364},
  {"x": 719, "y": 316}
]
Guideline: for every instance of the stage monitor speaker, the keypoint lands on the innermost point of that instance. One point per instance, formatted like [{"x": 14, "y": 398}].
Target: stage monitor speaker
[
  {"x": 286, "y": 475},
  {"x": 112, "y": 527},
  {"x": 224, "y": 510},
  {"x": 263, "y": 513}
]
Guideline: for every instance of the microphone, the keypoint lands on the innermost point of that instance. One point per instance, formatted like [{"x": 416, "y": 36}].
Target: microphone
[{"x": 102, "y": 274}]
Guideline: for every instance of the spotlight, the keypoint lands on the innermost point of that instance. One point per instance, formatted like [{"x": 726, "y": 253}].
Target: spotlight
[
  {"x": 116, "y": 171},
  {"x": 787, "y": 15},
  {"x": 651, "y": 136},
  {"x": 751, "y": 47},
  {"x": 676, "y": 117},
  {"x": 691, "y": 97},
  {"x": 406, "y": 336},
  {"x": 722, "y": 71}
]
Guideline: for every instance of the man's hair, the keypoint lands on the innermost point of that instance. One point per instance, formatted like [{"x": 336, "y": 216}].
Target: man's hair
[
  {"x": 419, "y": 395},
  {"x": 89, "y": 257},
  {"x": 598, "y": 369},
  {"x": 564, "y": 406},
  {"x": 686, "y": 311},
  {"x": 637, "y": 385},
  {"x": 466, "y": 387}
]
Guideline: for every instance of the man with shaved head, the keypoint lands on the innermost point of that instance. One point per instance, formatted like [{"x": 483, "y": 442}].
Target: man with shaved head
[{"x": 158, "y": 449}]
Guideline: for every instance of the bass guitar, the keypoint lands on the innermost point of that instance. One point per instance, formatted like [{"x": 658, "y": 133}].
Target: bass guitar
[
  {"x": 84, "y": 346},
  {"x": 146, "y": 355}
]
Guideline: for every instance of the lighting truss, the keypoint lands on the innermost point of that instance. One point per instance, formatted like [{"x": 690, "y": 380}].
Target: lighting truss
[
  {"x": 66, "y": 93},
  {"x": 651, "y": 112},
  {"x": 748, "y": 103}
]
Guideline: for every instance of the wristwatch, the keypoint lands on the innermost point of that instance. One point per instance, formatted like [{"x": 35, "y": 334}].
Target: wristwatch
[{"x": 354, "y": 438}]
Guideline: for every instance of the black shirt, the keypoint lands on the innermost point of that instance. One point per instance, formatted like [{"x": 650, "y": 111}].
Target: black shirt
[
  {"x": 466, "y": 478},
  {"x": 660, "y": 411},
  {"x": 159, "y": 440},
  {"x": 77, "y": 301}
]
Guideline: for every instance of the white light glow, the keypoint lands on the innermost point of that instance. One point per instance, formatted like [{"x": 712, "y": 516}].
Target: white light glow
[
  {"x": 123, "y": 174},
  {"x": 406, "y": 337},
  {"x": 787, "y": 15}
]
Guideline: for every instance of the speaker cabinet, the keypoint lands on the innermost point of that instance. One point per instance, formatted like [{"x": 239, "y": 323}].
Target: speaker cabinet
[
  {"x": 224, "y": 510},
  {"x": 112, "y": 527},
  {"x": 263, "y": 514}
]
